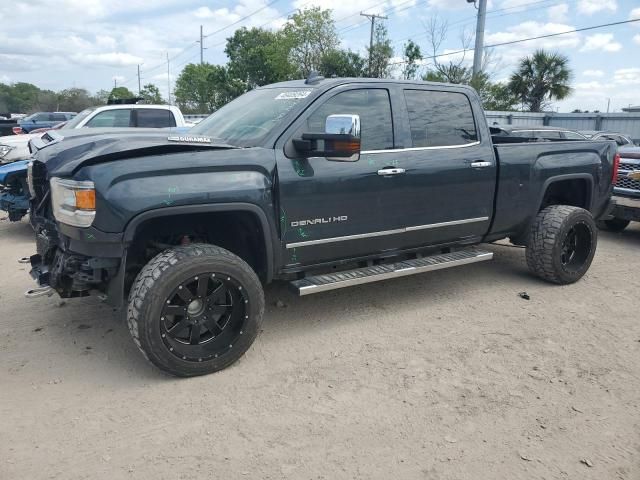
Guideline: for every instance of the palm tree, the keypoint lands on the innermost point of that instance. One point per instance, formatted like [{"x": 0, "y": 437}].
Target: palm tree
[{"x": 542, "y": 77}]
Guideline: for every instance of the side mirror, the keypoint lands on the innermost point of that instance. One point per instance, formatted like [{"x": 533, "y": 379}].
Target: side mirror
[{"x": 340, "y": 142}]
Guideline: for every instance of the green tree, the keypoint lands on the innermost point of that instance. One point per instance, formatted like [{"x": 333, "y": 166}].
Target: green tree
[
  {"x": 74, "y": 100},
  {"x": 499, "y": 97},
  {"x": 121, "y": 93},
  {"x": 381, "y": 53},
  {"x": 101, "y": 97},
  {"x": 259, "y": 57},
  {"x": 312, "y": 33},
  {"x": 342, "y": 63},
  {"x": 151, "y": 94},
  {"x": 203, "y": 88},
  {"x": 541, "y": 78},
  {"x": 411, "y": 56}
]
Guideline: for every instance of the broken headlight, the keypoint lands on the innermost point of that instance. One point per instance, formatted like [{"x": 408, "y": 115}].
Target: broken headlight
[{"x": 74, "y": 202}]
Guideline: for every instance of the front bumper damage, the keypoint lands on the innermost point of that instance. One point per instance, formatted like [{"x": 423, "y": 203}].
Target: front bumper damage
[{"x": 71, "y": 274}]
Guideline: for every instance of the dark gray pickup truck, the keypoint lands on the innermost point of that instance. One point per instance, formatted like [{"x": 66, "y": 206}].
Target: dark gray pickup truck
[{"x": 325, "y": 183}]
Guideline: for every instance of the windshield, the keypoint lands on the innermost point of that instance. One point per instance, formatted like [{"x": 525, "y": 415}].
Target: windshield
[
  {"x": 78, "y": 118},
  {"x": 248, "y": 119}
]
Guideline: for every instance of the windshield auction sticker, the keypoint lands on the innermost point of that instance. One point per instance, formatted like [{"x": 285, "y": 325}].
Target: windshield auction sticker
[{"x": 295, "y": 95}]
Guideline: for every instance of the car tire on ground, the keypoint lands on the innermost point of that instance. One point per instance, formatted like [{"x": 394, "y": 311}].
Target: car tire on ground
[
  {"x": 614, "y": 224},
  {"x": 562, "y": 243},
  {"x": 195, "y": 309}
]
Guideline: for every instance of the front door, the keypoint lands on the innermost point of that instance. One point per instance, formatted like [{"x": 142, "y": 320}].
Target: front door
[{"x": 331, "y": 209}]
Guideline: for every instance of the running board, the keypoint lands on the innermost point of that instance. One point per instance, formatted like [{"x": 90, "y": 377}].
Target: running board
[{"x": 332, "y": 281}]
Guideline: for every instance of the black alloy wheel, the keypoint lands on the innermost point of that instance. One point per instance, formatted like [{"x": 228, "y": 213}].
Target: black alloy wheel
[
  {"x": 195, "y": 309},
  {"x": 576, "y": 247},
  {"x": 203, "y": 317}
]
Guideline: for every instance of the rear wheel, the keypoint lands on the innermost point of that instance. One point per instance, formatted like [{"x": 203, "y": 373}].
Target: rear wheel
[
  {"x": 195, "y": 309},
  {"x": 562, "y": 243},
  {"x": 614, "y": 224}
]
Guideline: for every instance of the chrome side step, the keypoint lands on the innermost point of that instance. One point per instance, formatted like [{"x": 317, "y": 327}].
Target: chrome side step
[{"x": 332, "y": 281}]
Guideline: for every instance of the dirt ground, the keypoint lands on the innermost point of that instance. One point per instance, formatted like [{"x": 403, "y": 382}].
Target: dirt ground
[{"x": 448, "y": 375}]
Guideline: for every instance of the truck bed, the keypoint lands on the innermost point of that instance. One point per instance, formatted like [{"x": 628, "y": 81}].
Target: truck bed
[{"x": 525, "y": 168}]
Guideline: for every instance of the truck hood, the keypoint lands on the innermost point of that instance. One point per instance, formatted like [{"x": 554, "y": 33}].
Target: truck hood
[{"x": 66, "y": 152}]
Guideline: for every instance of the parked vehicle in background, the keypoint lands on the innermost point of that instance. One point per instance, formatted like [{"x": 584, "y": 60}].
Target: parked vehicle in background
[
  {"x": 7, "y": 125},
  {"x": 620, "y": 138},
  {"x": 15, "y": 148},
  {"x": 626, "y": 192},
  {"x": 536, "y": 133},
  {"x": 365, "y": 179},
  {"x": 44, "y": 120}
]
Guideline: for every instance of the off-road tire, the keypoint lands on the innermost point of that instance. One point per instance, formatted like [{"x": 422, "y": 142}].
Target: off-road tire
[
  {"x": 614, "y": 224},
  {"x": 160, "y": 276},
  {"x": 548, "y": 233}
]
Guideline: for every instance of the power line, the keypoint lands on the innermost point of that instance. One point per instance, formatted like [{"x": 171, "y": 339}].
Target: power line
[
  {"x": 242, "y": 19},
  {"x": 613, "y": 24},
  {"x": 491, "y": 14}
]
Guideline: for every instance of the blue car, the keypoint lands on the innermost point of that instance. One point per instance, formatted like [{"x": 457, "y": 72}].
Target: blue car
[
  {"x": 44, "y": 120},
  {"x": 14, "y": 192}
]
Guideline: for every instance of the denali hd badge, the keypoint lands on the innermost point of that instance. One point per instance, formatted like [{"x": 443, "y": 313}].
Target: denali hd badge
[
  {"x": 189, "y": 139},
  {"x": 317, "y": 221}
]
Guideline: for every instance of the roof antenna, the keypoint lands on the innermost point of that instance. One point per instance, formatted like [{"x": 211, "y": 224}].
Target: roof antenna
[{"x": 313, "y": 77}]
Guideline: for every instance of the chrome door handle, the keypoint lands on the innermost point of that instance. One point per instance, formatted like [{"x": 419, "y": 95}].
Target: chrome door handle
[
  {"x": 391, "y": 171},
  {"x": 480, "y": 164}
]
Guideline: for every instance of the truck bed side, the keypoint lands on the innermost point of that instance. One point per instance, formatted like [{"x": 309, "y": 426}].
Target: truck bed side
[{"x": 579, "y": 172}]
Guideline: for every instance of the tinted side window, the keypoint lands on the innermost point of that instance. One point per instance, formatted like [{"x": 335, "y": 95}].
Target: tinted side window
[
  {"x": 374, "y": 109},
  {"x": 155, "y": 118},
  {"x": 41, "y": 117},
  {"x": 555, "y": 135},
  {"x": 440, "y": 119},
  {"x": 111, "y": 118},
  {"x": 59, "y": 117},
  {"x": 572, "y": 136}
]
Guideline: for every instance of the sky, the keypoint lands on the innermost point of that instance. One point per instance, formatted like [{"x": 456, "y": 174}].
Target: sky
[{"x": 93, "y": 44}]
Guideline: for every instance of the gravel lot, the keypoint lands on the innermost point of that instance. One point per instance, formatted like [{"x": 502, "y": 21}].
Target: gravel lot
[{"x": 448, "y": 375}]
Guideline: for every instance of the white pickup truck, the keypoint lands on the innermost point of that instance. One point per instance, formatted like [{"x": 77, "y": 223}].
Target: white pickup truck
[{"x": 16, "y": 147}]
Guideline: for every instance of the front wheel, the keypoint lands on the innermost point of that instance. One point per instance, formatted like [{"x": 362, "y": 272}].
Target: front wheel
[
  {"x": 562, "y": 243},
  {"x": 195, "y": 309}
]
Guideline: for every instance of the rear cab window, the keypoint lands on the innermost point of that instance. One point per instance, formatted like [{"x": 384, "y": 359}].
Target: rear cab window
[
  {"x": 154, "y": 118},
  {"x": 440, "y": 119}
]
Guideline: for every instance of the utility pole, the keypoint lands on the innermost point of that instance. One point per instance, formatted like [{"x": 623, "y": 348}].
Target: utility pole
[
  {"x": 608, "y": 104},
  {"x": 372, "y": 17},
  {"x": 201, "y": 42},
  {"x": 139, "y": 80},
  {"x": 478, "y": 51},
  {"x": 168, "y": 81},
  {"x": 115, "y": 82}
]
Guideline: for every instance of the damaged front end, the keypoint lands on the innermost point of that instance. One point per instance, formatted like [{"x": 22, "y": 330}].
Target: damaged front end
[{"x": 73, "y": 262}]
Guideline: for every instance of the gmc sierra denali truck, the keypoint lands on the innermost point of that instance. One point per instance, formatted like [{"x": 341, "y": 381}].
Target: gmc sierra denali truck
[{"x": 325, "y": 183}]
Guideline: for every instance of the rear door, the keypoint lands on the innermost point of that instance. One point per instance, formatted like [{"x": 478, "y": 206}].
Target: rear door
[{"x": 447, "y": 194}]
